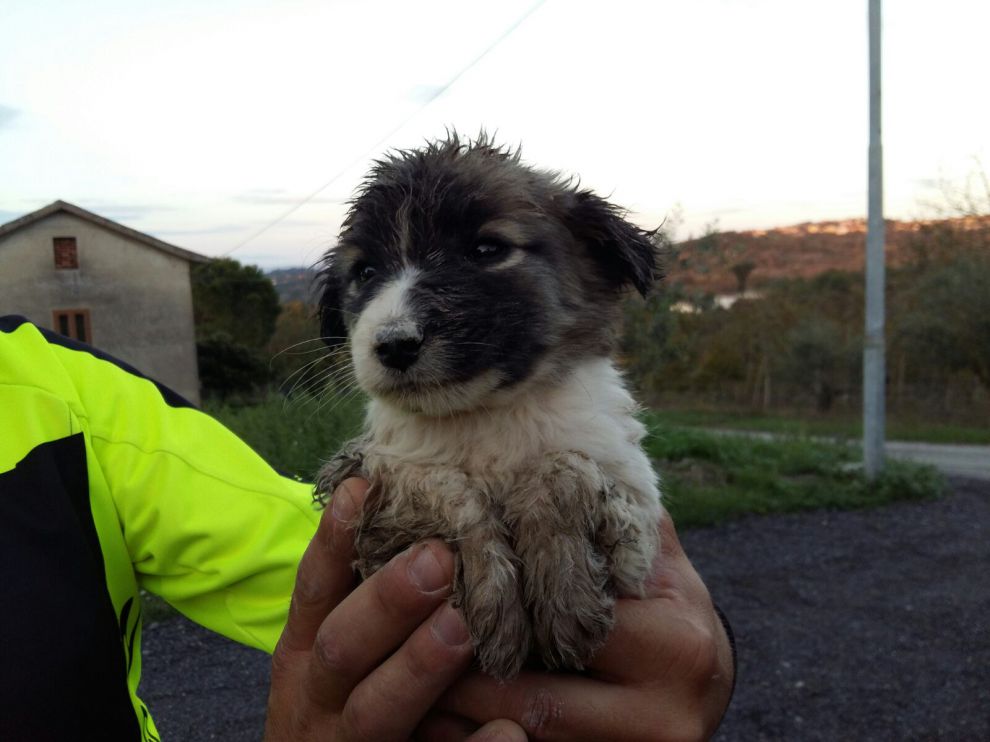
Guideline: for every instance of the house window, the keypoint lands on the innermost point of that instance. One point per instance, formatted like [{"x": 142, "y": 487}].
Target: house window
[
  {"x": 66, "y": 256},
  {"x": 73, "y": 323}
]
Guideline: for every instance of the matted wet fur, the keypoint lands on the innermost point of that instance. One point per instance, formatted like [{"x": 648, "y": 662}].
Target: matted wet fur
[{"x": 480, "y": 298}]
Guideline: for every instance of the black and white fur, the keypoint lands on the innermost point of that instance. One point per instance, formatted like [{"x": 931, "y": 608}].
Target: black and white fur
[{"x": 480, "y": 298}]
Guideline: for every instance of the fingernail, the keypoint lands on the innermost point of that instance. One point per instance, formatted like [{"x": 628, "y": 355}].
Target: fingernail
[
  {"x": 425, "y": 571},
  {"x": 450, "y": 628},
  {"x": 343, "y": 504}
]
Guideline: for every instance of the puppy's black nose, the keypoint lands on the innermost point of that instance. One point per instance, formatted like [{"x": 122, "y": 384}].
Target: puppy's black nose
[{"x": 398, "y": 351}]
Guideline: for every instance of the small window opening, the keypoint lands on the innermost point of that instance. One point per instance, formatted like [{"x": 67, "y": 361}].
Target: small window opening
[
  {"x": 73, "y": 323},
  {"x": 66, "y": 255}
]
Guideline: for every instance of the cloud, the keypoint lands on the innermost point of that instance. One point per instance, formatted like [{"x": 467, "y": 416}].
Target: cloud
[{"x": 7, "y": 115}]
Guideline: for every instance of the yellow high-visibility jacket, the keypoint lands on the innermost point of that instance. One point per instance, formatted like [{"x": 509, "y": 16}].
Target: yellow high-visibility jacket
[{"x": 110, "y": 482}]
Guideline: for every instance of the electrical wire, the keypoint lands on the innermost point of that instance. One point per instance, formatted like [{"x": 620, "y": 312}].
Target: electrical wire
[{"x": 392, "y": 132}]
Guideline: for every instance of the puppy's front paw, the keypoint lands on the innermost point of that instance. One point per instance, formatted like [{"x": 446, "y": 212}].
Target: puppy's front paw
[
  {"x": 502, "y": 638},
  {"x": 489, "y": 595},
  {"x": 573, "y": 609},
  {"x": 345, "y": 463},
  {"x": 567, "y": 587}
]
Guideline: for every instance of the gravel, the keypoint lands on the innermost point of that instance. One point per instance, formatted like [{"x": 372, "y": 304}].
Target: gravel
[{"x": 866, "y": 625}]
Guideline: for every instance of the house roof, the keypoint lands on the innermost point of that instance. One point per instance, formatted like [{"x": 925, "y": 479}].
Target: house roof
[{"x": 112, "y": 226}]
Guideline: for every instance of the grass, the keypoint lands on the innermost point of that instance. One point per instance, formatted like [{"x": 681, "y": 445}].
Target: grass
[
  {"x": 293, "y": 435},
  {"x": 710, "y": 478},
  {"x": 899, "y": 427}
]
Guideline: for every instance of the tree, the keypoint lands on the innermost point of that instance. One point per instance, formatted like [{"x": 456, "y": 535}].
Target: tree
[
  {"x": 234, "y": 308},
  {"x": 946, "y": 318},
  {"x": 235, "y": 299},
  {"x": 815, "y": 358},
  {"x": 741, "y": 271},
  {"x": 228, "y": 368},
  {"x": 299, "y": 359},
  {"x": 942, "y": 305}
]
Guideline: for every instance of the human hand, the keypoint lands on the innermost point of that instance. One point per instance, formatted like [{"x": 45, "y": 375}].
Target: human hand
[
  {"x": 664, "y": 673},
  {"x": 367, "y": 663}
]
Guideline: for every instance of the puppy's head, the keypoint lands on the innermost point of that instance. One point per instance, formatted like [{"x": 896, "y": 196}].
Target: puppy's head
[{"x": 462, "y": 276}]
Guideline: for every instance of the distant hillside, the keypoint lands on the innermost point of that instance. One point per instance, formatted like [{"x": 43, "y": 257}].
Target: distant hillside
[
  {"x": 802, "y": 250},
  {"x": 799, "y": 251},
  {"x": 295, "y": 284}
]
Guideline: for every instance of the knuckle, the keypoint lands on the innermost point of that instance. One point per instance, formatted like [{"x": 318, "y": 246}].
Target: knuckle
[
  {"x": 543, "y": 712},
  {"x": 424, "y": 656},
  {"x": 308, "y": 593},
  {"x": 323, "y": 538},
  {"x": 704, "y": 653},
  {"x": 393, "y": 593},
  {"x": 329, "y": 652},
  {"x": 697, "y": 651},
  {"x": 281, "y": 663}
]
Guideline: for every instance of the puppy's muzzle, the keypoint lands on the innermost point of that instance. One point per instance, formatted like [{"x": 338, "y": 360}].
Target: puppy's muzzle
[{"x": 397, "y": 346}]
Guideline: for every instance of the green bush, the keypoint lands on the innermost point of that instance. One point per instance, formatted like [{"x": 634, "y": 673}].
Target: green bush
[
  {"x": 228, "y": 368},
  {"x": 295, "y": 434}
]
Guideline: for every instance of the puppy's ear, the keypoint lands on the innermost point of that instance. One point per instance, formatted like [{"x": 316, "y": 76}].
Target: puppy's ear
[
  {"x": 626, "y": 253},
  {"x": 333, "y": 329}
]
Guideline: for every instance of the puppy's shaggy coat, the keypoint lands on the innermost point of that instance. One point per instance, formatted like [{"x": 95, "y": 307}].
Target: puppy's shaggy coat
[{"x": 480, "y": 297}]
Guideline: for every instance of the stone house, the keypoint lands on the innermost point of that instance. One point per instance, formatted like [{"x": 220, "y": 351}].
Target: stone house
[{"x": 94, "y": 280}]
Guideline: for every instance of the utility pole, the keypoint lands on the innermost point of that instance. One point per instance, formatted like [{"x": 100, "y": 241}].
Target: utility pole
[{"x": 874, "y": 407}]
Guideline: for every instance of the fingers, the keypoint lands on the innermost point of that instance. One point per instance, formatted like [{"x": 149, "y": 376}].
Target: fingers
[
  {"x": 653, "y": 640},
  {"x": 674, "y": 619},
  {"x": 366, "y": 662},
  {"x": 501, "y": 730},
  {"x": 325, "y": 575},
  {"x": 632, "y": 641},
  {"x": 375, "y": 619},
  {"x": 669, "y": 561},
  {"x": 548, "y": 707},
  {"x": 447, "y": 728},
  {"x": 396, "y": 696},
  {"x": 440, "y": 727}
]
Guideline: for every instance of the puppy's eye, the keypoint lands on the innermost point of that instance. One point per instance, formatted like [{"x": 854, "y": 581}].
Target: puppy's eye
[
  {"x": 364, "y": 273},
  {"x": 487, "y": 251}
]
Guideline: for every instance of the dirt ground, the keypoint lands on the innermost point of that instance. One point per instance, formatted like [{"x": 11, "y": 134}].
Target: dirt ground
[{"x": 869, "y": 625}]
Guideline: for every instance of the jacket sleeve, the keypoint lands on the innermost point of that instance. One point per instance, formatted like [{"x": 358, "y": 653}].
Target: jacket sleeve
[{"x": 209, "y": 526}]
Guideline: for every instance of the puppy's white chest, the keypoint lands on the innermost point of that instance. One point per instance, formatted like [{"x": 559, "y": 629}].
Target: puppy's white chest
[{"x": 591, "y": 414}]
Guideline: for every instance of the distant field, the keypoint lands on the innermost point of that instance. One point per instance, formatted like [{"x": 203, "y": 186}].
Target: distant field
[
  {"x": 707, "y": 478},
  {"x": 898, "y": 428}
]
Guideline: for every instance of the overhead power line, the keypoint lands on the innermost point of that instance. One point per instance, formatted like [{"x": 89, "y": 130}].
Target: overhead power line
[{"x": 391, "y": 132}]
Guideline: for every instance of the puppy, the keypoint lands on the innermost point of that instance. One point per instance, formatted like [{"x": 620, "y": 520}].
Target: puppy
[{"x": 480, "y": 298}]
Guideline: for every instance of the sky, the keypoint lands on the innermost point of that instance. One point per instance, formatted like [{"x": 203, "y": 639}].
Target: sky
[{"x": 205, "y": 122}]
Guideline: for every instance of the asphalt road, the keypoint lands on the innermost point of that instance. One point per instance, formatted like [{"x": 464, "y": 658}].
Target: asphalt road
[
  {"x": 865, "y": 625},
  {"x": 956, "y": 460}
]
